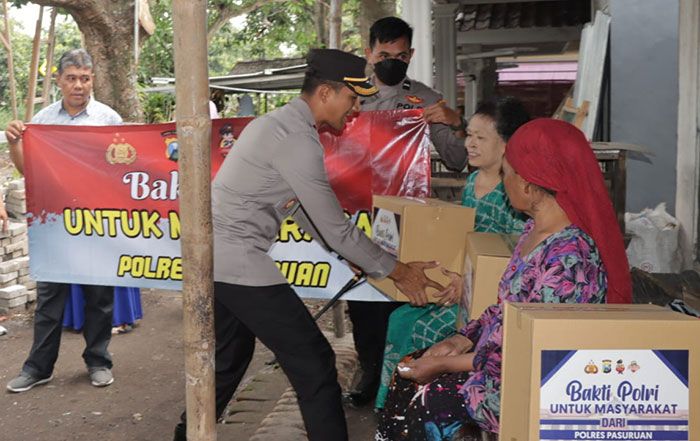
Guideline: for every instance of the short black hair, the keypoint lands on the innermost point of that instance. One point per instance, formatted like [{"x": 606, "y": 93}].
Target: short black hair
[
  {"x": 313, "y": 81},
  {"x": 508, "y": 114},
  {"x": 389, "y": 29}
]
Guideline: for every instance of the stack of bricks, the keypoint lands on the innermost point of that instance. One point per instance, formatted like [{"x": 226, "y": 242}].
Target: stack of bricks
[
  {"x": 16, "y": 287},
  {"x": 15, "y": 199}
]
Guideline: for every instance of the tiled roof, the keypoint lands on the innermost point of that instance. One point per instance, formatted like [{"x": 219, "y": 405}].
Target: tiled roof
[{"x": 555, "y": 13}]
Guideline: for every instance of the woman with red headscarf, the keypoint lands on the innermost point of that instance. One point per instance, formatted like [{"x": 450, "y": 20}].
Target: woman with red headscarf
[{"x": 570, "y": 252}]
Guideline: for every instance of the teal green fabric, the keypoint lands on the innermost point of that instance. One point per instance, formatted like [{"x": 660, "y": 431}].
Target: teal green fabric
[
  {"x": 493, "y": 211},
  {"x": 414, "y": 328}
]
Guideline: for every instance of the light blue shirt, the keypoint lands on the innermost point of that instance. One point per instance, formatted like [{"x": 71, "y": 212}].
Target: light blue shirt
[{"x": 94, "y": 114}]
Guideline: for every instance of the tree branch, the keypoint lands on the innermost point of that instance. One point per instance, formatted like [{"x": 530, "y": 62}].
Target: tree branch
[
  {"x": 228, "y": 12},
  {"x": 60, "y": 3}
]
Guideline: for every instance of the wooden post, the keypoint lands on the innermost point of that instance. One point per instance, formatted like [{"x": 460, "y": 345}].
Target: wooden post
[
  {"x": 334, "y": 42},
  {"x": 10, "y": 64},
  {"x": 194, "y": 137},
  {"x": 48, "y": 75},
  {"x": 31, "y": 93}
]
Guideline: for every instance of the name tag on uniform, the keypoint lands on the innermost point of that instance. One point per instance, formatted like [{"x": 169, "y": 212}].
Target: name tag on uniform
[{"x": 287, "y": 206}]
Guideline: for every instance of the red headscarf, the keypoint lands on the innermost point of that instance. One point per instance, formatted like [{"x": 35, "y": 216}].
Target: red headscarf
[{"x": 556, "y": 155}]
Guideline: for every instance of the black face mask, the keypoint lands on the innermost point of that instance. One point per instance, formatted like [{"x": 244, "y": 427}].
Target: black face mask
[{"x": 391, "y": 71}]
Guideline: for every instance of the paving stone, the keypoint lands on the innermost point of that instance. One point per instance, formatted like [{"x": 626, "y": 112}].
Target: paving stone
[
  {"x": 244, "y": 406},
  {"x": 14, "y": 302},
  {"x": 4, "y": 278},
  {"x": 243, "y": 418},
  {"x": 9, "y": 267},
  {"x": 17, "y": 246},
  {"x": 12, "y": 292},
  {"x": 17, "y": 184},
  {"x": 17, "y": 228}
]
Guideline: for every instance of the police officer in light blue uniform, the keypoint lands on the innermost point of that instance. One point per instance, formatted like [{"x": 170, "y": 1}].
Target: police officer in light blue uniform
[
  {"x": 277, "y": 170},
  {"x": 389, "y": 53}
]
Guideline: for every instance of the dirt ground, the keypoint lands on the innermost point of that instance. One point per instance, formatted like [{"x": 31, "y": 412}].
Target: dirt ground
[{"x": 147, "y": 396}]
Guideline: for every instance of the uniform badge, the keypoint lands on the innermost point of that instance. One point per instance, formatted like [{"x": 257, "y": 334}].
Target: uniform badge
[
  {"x": 414, "y": 99},
  {"x": 227, "y": 139},
  {"x": 289, "y": 204},
  {"x": 172, "y": 147},
  {"x": 120, "y": 151}
]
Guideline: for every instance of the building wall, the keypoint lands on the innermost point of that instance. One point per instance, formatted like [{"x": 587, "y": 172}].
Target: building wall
[{"x": 644, "y": 95}]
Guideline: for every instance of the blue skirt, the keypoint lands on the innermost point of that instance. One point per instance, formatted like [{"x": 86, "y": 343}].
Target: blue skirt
[{"x": 127, "y": 307}]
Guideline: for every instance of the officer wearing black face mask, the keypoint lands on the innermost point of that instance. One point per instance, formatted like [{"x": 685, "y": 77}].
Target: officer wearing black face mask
[{"x": 390, "y": 52}]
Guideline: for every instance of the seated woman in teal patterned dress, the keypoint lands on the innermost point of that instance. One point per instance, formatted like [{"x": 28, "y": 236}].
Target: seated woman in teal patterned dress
[
  {"x": 571, "y": 251},
  {"x": 415, "y": 327}
]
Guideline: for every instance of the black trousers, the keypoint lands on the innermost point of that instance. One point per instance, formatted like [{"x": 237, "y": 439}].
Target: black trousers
[
  {"x": 369, "y": 324},
  {"x": 48, "y": 324},
  {"x": 276, "y": 316}
]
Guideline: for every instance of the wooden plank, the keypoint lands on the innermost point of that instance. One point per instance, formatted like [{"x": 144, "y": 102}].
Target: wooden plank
[
  {"x": 48, "y": 76},
  {"x": 31, "y": 93},
  {"x": 688, "y": 157}
]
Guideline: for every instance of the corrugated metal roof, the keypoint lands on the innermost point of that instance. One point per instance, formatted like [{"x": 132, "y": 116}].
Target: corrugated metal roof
[
  {"x": 256, "y": 66},
  {"x": 555, "y": 13}
]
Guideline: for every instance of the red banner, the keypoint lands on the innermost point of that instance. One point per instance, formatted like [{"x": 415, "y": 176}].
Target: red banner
[{"x": 103, "y": 201}]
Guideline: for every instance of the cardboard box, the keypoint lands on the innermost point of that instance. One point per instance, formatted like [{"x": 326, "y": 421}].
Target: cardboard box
[
  {"x": 416, "y": 229},
  {"x": 579, "y": 371},
  {"x": 487, "y": 255}
]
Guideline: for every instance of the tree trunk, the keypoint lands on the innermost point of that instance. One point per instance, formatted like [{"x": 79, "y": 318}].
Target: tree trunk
[
  {"x": 373, "y": 10},
  {"x": 107, "y": 28},
  {"x": 320, "y": 18},
  {"x": 335, "y": 15}
]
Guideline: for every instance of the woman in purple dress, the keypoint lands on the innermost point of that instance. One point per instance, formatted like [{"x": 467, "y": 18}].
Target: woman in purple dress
[{"x": 571, "y": 251}]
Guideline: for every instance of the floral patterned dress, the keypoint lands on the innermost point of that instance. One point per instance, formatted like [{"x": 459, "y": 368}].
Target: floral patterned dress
[
  {"x": 564, "y": 268},
  {"x": 412, "y": 328}
]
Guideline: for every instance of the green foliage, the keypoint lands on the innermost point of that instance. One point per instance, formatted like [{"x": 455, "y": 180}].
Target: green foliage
[
  {"x": 22, "y": 48},
  {"x": 67, "y": 37},
  {"x": 276, "y": 29},
  {"x": 157, "y": 107}
]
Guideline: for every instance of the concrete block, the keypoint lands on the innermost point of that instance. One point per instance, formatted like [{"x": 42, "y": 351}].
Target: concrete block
[
  {"x": 17, "y": 228},
  {"x": 13, "y": 303},
  {"x": 31, "y": 295},
  {"x": 11, "y": 248},
  {"x": 17, "y": 184},
  {"x": 12, "y": 291},
  {"x": 17, "y": 195},
  {"x": 4, "y": 278},
  {"x": 9, "y": 266},
  {"x": 23, "y": 262}
]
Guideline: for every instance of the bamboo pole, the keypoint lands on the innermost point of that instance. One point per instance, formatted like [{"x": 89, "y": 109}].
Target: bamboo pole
[
  {"x": 334, "y": 42},
  {"x": 31, "y": 93},
  {"x": 194, "y": 134},
  {"x": 48, "y": 75},
  {"x": 10, "y": 62}
]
